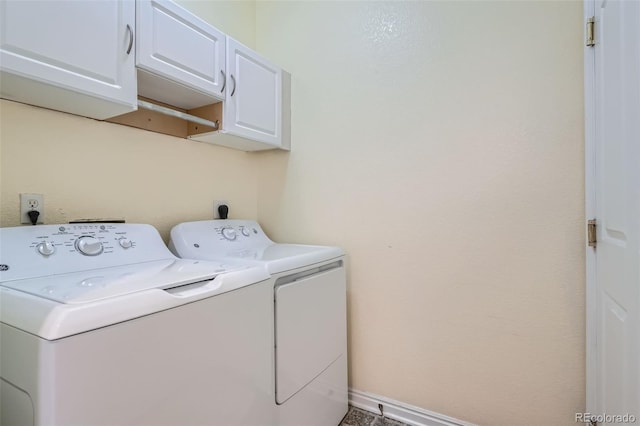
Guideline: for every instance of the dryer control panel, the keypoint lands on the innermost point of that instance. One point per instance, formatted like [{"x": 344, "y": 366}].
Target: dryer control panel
[
  {"x": 227, "y": 238},
  {"x": 240, "y": 231},
  {"x": 221, "y": 234},
  {"x": 35, "y": 251}
]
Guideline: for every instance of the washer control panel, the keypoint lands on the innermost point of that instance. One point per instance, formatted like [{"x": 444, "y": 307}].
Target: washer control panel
[
  {"x": 33, "y": 251},
  {"x": 88, "y": 240}
]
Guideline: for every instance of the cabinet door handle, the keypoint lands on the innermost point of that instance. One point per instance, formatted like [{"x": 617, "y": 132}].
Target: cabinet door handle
[
  {"x": 130, "y": 30},
  {"x": 224, "y": 80},
  {"x": 234, "y": 84}
]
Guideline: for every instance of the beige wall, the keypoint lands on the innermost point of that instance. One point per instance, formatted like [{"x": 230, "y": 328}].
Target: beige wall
[
  {"x": 87, "y": 168},
  {"x": 441, "y": 144}
]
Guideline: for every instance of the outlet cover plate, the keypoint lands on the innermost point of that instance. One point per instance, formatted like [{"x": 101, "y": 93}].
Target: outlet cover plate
[{"x": 30, "y": 202}]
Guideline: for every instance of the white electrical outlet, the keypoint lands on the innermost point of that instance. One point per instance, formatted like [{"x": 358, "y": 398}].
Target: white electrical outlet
[
  {"x": 216, "y": 204},
  {"x": 31, "y": 202}
]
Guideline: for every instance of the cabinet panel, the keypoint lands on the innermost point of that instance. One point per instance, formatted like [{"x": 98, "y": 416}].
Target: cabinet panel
[
  {"x": 83, "y": 47},
  {"x": 177, "y": 45},
  {"x": 253, "y": 107}
]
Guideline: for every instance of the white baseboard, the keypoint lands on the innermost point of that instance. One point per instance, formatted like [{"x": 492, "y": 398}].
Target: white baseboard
[{"x": 405, "y": 413}]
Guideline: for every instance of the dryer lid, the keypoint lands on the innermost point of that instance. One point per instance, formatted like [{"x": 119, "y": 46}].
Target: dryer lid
[
  {"x": 244, "y": 240},
  {"x": 285, "y": 257}
]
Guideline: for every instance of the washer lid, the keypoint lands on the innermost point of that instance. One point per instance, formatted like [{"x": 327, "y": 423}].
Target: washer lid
[
  {"x": 64, "y": 305},
  {"x": 99, "y": 284}
]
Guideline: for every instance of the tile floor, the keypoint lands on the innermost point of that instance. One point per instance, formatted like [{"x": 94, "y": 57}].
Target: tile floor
[{"x": 358, "y": 417}]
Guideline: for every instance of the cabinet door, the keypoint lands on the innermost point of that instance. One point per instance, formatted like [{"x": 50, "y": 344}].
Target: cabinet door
[
  {"x": 51, "y": 51},
  {"x": 253, "y": 107},
  {"x": 179, "y": 46}
]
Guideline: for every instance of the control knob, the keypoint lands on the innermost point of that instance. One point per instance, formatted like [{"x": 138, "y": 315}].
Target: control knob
[
  {"x": 45, "y": 248},
  {"x": 125, "y": 242},
  {"x": 89, "y": 246},
  {"x": 229, "y": 233},
  {"x": 245, "y": 232}
]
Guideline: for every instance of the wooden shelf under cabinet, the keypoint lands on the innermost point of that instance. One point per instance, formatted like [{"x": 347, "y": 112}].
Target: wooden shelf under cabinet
[{"x": 161, "y": 123}]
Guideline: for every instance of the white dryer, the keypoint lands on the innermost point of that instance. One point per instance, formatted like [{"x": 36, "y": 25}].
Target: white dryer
[
  {"x": 102, "y": 325},
  {"x": 309, "y": 322}
]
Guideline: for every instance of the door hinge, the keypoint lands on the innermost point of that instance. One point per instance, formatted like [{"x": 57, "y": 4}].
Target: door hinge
[
  {"x": 591, "y": 39},
  {"x": 591, "y": 233}
]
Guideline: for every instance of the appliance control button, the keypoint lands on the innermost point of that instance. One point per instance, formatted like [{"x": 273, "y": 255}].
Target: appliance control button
[
  {"x": 89, "y": 246},
  {"x": 245, "y": 232},
  {"x": 125, "y": 242},
  {"x": 45, "y": 248},
  {"x": 229, "y": 233}
]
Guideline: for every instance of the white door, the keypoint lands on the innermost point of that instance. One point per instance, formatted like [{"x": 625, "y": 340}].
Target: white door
[
  {"x": 84, "y": 47},
  {"x": 253, "y": 107},
  {"x": 617, "y": 206},
  {"x": 175, "y": 44}
]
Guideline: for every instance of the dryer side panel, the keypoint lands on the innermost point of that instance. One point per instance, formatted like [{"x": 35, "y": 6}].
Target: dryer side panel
[{"x": 311, "y": 328}]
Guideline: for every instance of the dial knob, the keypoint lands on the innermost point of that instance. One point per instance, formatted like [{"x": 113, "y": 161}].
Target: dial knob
[
  {"x": 245, "y": 232},
  {"x": 89, "y": 246},
  {"x": 229, "y": 233},
  {"x": 45, "y": 248},
  {"x": 125, "y": 242}
]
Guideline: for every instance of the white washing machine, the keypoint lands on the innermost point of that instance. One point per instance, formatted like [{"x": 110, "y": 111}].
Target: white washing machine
[
  {"x": 309, "y": 321},
  {"x": 102, "y": 325}
]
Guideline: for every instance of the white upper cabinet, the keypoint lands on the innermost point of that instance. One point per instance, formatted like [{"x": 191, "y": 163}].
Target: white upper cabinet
[
  {"x": 176, "y": 46},
  {"x": 256, "y": 111},
  {"x": 72, "y": 56},
  {"x": 254, "y": 95},
  {"x": 97, "y": 57}
]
